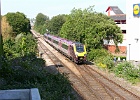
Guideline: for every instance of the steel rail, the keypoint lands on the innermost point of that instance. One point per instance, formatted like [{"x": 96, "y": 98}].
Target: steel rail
[{"x": 88, "y": 67}]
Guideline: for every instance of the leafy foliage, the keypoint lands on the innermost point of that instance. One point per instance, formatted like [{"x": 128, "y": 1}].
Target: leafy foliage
[
  {"x": 96, "y": 53},
  {"x": 24, "y": 45},
  {"x": 6, "y": 29},
  {"x": 55, "y": 24},
  {"x": 28, "y": 72},
  {"x": 128, "y": 71},
  {"x": 21, "y": 69},
  {"x": 9, "y": 49},
  {"x": 40, "y": 23},
  {"x": 91, "y": 28},
  {"x": 18, "y": 22},
  {"x": 102, "y": 58}
]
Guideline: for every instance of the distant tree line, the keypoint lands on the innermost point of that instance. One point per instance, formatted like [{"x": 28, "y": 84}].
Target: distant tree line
[{"x": 85, "y": 26}]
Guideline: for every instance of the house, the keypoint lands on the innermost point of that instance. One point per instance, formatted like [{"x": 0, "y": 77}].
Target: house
[{"x": 120, "y": 19}]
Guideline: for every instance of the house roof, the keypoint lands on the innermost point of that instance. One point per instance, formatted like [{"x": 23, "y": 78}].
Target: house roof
[
  {"x": 115, "y": 9},
  {"x": 118, "y": 17}
]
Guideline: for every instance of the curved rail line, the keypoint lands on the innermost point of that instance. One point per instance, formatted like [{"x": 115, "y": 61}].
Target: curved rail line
[
  {"x": 121, "y": 91},
  {"x": 94, "y": 85},
  {"x": 77, "y": 80},
  {"x": 93, "y": 82},
  {"x": 101, "y": 83}
]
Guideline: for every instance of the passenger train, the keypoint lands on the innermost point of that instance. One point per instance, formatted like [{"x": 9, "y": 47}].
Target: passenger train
[{"x": 74, "y": 50}]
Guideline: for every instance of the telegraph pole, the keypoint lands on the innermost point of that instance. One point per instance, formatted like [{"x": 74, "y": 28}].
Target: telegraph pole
[{"x": 1, "y": 41}]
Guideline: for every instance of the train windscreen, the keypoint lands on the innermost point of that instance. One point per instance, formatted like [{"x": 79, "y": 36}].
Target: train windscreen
[{"x": 79, "y": 48}]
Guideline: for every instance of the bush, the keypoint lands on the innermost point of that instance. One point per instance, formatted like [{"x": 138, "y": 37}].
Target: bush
[
  {"x": 96, "y": 53},
  {"x": 29, "y": 72},
  {"x": 104, "y": 62},
  {"x": 101, "y": 57},
  {"x": 23, "y": 45},
  {"x": 128, "y": 71},
  {"x": 21, "y": 69}
]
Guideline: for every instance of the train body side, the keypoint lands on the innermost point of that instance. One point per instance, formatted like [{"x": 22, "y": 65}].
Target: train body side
[{"x": 75, "y": 51}]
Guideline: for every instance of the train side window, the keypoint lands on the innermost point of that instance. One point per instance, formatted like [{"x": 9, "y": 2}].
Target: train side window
[
  {"x": 56, "y": 42},
  {"x": 64, "y": 46},
  {"x": 49, "y": 38}
]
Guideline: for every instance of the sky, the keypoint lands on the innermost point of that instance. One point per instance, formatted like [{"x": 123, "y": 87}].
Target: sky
[{"x": 52, "y": 8}]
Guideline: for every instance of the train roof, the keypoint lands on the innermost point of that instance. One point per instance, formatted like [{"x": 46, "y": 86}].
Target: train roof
[
  {"x": 59, "y": 39},
  {"x": 65, "y": 41}
]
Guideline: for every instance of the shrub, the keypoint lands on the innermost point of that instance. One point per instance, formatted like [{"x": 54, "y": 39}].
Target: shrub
[
  {"x": 101, "y": 57},
  {"x": 29, "y": 72},
  {"x": 23, "y": 70},
  {"x": 104, "y": 62},
  {"x": 23, "y": 45},
  {"x": 128, "y": 71},
  {"x": 96, "y": 53}
]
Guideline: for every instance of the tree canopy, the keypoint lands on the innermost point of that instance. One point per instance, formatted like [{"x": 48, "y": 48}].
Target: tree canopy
[
  {"x": 6, "y": 28},
  {"x": 40, "y": 23},
  {"x": 91, "y": 28},
  {"x": 18, "y": 22},
  {"x": 55, "y": 24},
  {"x": 85, "y": 26}
]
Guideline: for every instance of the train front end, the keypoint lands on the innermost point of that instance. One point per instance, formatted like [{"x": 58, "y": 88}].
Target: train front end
[{"x": 80, "y": 53}]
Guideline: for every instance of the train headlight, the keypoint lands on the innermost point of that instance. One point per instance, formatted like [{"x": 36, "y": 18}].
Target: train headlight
[
  {"x": 76, "y": 54},
  {"x": 85, "y": 55}
]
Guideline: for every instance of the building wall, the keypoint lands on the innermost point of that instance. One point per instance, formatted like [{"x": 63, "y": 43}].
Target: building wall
[
  {"x": 112, "y": 48},
  {"x": 110, "y": 12},
  {"x": 133, "y": 32}
]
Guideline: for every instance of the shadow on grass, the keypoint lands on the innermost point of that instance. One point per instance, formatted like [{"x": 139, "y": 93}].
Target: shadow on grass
[{"x": 30, "y": 72}]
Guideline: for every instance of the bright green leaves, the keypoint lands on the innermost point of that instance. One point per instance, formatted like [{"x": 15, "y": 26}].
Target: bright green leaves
[
  {"x": 128, "y": 71},
  {"x": 40, "y": 23},
  {"x": 90, "y": 28},
  {"x": 55, "y": 24}
]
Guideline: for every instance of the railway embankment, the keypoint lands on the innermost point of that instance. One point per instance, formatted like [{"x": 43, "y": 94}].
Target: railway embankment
[{"x": 22, "y": 69}]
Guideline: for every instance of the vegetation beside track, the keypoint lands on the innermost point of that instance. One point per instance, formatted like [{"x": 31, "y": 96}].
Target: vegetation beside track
[
  {"x": 124, "y": 69},
  {"x": 20, "y": 68},
  {"x": 91, "y": 28}
]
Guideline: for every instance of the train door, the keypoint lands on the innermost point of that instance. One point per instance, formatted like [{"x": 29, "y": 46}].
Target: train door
[
  {"x": 60, "y": 46},
  {"x": 72, "y": 53}
]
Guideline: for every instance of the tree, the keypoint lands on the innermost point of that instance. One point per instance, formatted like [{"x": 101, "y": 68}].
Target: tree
[
  {"x": 1, "y": 42},
  {"x": 6, "y": 28},
  {"x": 19, "y": 22},
  {"x": 1, "y": 39},
  {"x": 56, "y": 23},
  {"x": 91, "y": 28},
  {"x": 40, "y": 23}
]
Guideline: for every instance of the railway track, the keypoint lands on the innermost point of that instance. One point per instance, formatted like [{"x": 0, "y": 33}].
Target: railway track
[
  {"x": 88, "y": 83},
  {"x": 77, "y": 83},
  {"x": 114, "y": 90}
]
